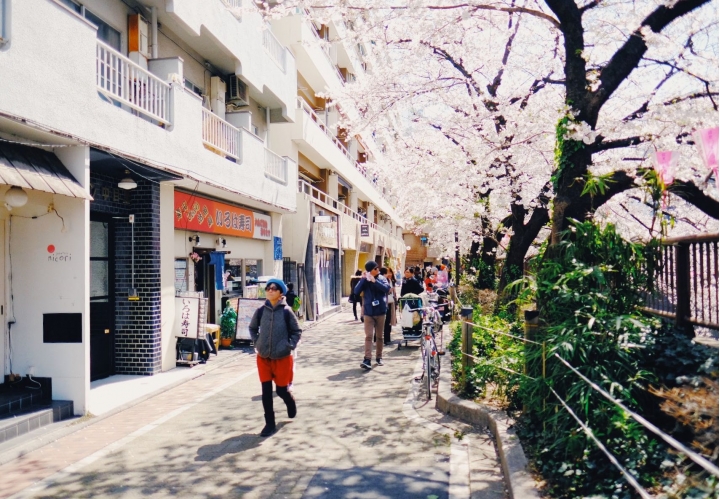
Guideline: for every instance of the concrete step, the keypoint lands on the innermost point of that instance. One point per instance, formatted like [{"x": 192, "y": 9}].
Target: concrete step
[
  {"x": 33, "y": 417},
  {"x": 10, "y": 403}
]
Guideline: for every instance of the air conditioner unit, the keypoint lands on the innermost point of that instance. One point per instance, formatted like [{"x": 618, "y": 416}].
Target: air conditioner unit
[{"x": 238, "y": 91}]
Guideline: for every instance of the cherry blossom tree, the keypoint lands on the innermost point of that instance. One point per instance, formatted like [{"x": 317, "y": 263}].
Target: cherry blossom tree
[{"x": 499, "y": 118}]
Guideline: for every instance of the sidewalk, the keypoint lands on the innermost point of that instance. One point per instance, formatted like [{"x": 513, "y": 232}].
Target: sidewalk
[{"x": 358, "y": 434}]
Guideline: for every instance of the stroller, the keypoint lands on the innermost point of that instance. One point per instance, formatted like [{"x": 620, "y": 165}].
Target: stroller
[{"x": 410, "y": 322}]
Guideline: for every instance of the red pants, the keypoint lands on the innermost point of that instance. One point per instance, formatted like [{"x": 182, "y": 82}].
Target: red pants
[{"x": 278, "y": 370}]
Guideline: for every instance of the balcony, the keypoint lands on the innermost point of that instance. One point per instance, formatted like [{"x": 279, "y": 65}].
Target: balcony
[
  {"x": 274, "y": 48},
  {"x": 220, "y": 136},
  {"x": 333, "y": 205},
  {"x": 123, "y": 81},
  {"x": 112, "y": 104},
  {"x": 241, "y": 146}
]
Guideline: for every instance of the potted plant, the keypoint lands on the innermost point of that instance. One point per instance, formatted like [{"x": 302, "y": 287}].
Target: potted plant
[{"x": 228, "y": 323}]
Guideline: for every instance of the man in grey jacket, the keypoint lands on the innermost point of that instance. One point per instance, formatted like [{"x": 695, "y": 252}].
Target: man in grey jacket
[
  {"x": 374, "y": 288},
  {"x": 275, "y": 331}
]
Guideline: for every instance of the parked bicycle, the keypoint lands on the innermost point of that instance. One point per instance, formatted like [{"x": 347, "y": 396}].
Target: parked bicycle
[{"x": 429, "y": 351}]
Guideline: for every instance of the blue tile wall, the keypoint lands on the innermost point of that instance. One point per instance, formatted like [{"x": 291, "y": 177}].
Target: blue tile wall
[{"x": 137, "y": 323}]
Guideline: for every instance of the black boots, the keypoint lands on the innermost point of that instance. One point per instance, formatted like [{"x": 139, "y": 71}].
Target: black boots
[
  {"x": 269, "y": 428},
  {"x": 289, "y": 400},
  {"x": 287, "y": 397}
]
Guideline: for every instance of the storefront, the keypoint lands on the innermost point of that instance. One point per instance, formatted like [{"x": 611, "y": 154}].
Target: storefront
[
  {"x": 327, "y": 264},
  {"x": 220, "y": 249}
]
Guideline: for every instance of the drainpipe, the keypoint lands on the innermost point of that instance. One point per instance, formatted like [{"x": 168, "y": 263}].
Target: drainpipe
[
  {"x": 154, "y": 35},
  {"x": 267, "y": 125}
]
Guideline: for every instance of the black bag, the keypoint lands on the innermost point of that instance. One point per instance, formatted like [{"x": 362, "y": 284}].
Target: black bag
[{"x": 351, "y": 298}]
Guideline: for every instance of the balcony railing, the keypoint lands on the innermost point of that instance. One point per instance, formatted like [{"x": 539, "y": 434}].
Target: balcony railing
[
  {"x": 334, "y": 205},
  {"x": 235, "y": 7},
  {"x": 276, "y": 166},
  {"x": 274, "y": 48},
  {"x": 122, "y": 80},
  {"x": 220, "y": 135},
  {"x": 684, "y": 281}
]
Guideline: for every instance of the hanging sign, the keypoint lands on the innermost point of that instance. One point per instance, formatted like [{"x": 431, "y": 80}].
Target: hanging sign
[
  {"x": 326, "y": 234},
  {"x": 198, "y": 214},
  {"x": 364, "y": 230}
]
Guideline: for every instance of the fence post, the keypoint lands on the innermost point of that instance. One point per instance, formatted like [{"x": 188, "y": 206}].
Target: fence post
[
  {"x": 682, "y": 276},
  {"x": 532, "y": 318},
  {"x": 467, "y": 343}
]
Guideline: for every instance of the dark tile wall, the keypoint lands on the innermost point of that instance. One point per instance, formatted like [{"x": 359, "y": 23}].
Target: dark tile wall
[{"x": 137, "y": 323}]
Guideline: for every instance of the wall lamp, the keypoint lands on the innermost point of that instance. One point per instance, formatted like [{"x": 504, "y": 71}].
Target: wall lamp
[
  {"x": 15, "y": 197},
  {"x": 194, "y": 239},
  {"x": 221, "y": 241}
]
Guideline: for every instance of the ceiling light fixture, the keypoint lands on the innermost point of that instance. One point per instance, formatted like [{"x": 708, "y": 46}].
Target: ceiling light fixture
[{"x": 127, "y": 183}]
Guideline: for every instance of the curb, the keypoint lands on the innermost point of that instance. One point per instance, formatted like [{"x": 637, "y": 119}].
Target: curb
[
  {"x": 71, "y": 426},
  {"x": 512, "y": 458}
]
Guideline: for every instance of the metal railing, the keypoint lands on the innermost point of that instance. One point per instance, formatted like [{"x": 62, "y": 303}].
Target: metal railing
[
  {"x": 274, "y": 48},
  {"x": 333, "y": 204},
  {"x": 360, "y": 167},
  {"x": 122, "y": 80},
  {"x": 684, "y": 281},
  {"x": 220, "y": 135},
  {"x": 275, "y": 166}
]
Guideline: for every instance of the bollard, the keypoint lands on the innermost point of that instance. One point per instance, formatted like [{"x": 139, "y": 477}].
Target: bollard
[{"x": 467, "y": 343}]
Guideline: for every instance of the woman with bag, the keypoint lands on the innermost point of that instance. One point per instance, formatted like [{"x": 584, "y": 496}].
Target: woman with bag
[
  {"x": 391, "y": 314},
  {"x": 275, "y": 331},
  {"x": 354, "y": 299}
]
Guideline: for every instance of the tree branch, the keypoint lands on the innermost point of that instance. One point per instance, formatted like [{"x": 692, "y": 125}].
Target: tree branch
[
  {"x": 696, "y": 197},
  {"x": 601, "y": 144},
  {"x": 627, "y": 57}
]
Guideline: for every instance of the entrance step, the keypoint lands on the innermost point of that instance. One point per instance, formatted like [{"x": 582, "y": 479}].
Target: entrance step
[{"x": 32, "y": 417}]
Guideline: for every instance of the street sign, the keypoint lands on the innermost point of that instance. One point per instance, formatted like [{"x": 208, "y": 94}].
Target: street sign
[{"x": 364, "y": 230}]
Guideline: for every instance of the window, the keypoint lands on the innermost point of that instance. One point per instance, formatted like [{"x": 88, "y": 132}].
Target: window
[
  {"x": 105, "y": 32},
  {"x": 4, "y": 21},
  {"x": 193, "y": 88}
]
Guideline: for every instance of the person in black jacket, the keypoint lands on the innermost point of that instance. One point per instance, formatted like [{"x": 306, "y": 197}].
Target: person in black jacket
[
  {"x": 355, "y": 299},
  {"x": 411, "y": 284},
  {"x": 374, "y": 288}
]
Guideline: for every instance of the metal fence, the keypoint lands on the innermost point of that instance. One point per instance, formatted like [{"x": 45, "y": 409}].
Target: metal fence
[{"x": 683, "y": 281}]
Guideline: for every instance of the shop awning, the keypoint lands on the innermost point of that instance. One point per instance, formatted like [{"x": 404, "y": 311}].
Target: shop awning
[{"x": 37, "y": 169}]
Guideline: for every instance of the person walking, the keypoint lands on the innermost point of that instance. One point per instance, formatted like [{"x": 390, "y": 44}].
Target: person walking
[
  {"x": 374, "y": 288},
  {"x": 390, "y": 315},
  {"x": 410, "y": 283},
  {"x": 355, "y": 299},
  {"x": 275, "y": 331}
]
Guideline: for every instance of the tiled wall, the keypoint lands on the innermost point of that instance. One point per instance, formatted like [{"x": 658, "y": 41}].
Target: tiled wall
[{"x": 137, "y": 323}]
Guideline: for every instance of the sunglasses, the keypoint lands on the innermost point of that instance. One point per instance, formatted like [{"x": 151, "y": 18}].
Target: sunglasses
[{"x": 272, "y": 288}]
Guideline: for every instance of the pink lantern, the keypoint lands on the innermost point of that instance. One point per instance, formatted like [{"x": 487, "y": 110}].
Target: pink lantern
[
  {"x": 665, "y": 162},
  {"x": 707, "y": 142}
]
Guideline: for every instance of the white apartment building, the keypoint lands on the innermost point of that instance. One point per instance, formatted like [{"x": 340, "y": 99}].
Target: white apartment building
[
  {"x": 150, "y": 148},
  {"x": 343, "y": 219}
]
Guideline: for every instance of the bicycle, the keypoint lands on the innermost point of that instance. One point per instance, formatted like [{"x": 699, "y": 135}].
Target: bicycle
[{"x": 429, "y": 351}]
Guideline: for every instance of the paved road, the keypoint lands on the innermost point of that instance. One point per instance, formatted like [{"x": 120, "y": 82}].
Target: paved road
[{"x": 358, "y": 434}]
